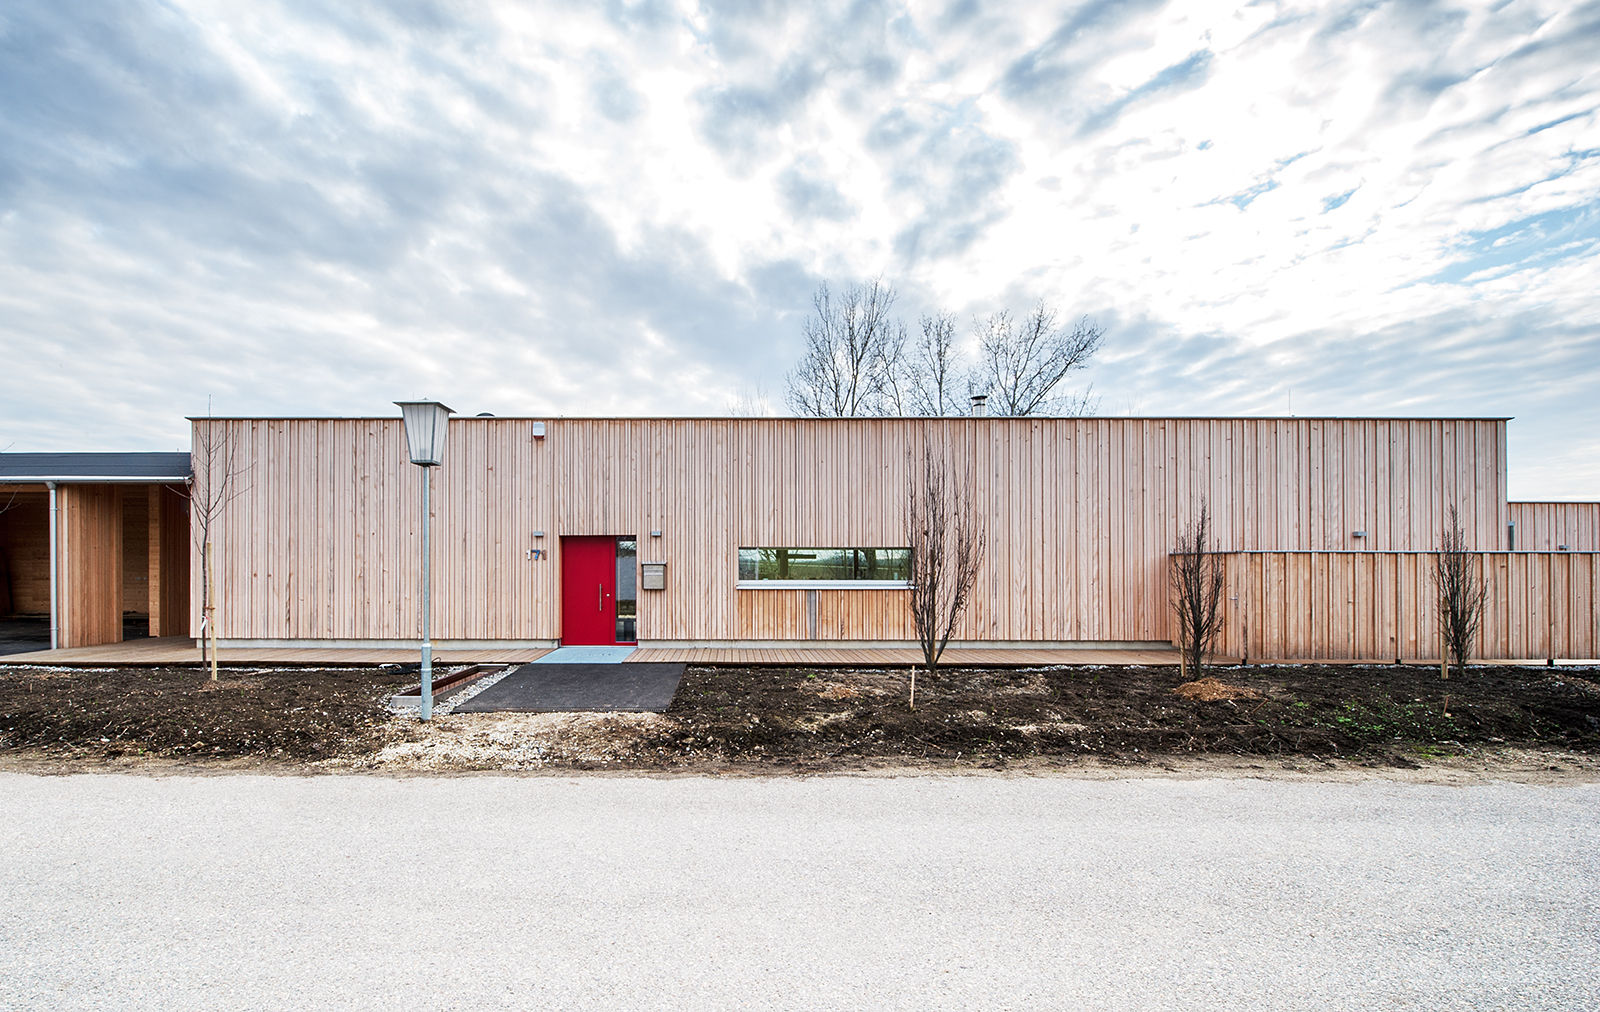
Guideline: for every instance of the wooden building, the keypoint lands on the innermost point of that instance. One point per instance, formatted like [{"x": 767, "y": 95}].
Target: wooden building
[
  {"x": 94, "y": 546},
  {"x": 710, "y": 532}
]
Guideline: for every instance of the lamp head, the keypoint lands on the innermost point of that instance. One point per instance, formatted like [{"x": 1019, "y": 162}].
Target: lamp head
[{"x": 426, "y": 422}]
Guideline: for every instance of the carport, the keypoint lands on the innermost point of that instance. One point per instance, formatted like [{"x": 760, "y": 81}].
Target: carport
[{"x": 94, "y": 548}]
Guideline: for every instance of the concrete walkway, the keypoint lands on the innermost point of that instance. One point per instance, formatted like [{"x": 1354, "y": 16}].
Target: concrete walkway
[
  {"x": 240, "y": 892},
  {"x": 587, "y": 655}
]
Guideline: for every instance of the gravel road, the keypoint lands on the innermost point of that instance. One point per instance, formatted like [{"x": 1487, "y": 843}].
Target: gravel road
[{"x": 846, "y": 892}]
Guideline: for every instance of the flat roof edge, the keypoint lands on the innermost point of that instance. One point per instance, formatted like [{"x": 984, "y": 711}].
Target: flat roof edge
[
  {"x": 79, "y": 479},
  {"x": 867, "y": 418}
]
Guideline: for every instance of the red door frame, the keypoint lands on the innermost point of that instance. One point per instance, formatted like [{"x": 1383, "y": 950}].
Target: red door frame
[{"x": 589, "y": 591}]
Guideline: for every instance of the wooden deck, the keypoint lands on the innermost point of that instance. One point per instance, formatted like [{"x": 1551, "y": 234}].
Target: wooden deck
[
  {"x": 181, "y": 650},
  {"x": 883, "y": 657}
]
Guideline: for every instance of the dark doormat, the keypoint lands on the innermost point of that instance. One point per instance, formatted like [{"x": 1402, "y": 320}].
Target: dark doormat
[{"x": 563, "y": 688}]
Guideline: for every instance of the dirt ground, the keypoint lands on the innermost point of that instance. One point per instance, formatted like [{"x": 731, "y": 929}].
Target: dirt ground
[
  {"x": 1519, "y": 720},
  {"x": 294, "y": 716}
]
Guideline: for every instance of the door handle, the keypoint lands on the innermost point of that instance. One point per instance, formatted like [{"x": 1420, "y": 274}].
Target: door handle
[{"x": 599, "y": 594}]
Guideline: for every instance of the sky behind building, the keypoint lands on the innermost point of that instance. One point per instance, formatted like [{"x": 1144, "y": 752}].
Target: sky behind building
[{"x": 273, "y": 208}]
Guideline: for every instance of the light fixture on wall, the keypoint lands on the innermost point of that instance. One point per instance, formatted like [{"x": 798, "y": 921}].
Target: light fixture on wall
[{"x": 427, "y": 423}]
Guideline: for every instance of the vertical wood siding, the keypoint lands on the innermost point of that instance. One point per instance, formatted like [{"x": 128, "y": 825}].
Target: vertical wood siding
[
  {"x": 169, "y": 540},
  {"x": 90, "y": 530},
  {"x": 1545, "y": 526},
  {"x": 1382, "y": 605},
  {"x": 25, "y": 550},
  {"x": 323, "y": 542},
  {"x": 135, "y": 549}
]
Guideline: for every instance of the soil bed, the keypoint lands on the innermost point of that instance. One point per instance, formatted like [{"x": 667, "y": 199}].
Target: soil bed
[
  {"x": 296, "y": 715},
  {"x": 1388, "y": 713},
  {"x": 816, "y": 719}
]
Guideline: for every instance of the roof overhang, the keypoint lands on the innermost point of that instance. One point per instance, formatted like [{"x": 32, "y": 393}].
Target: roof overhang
[{"x": 94, "y": 468}]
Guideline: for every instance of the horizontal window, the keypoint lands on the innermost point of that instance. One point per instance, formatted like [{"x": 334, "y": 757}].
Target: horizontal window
[{"x": 834, "y": 565}]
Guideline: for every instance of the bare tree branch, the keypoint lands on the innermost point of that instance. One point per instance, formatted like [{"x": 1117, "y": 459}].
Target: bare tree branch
[
  {"x": 9, "y": 500},
  {"x": 217, "y": 481},
  {"x": 852, "y": 349},
  {"x": 947, "y": 539},
  {"x": 1196, "y": 577},
  {"x": 1024, "y": 361},
  {"x": 933, "y": 368},
  {"x": 1459, "y": 585},
  {"x": 750, "y": 403}
]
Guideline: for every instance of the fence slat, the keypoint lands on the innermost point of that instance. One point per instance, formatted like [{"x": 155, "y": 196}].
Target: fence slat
[{"x": 1381, "y": 606}]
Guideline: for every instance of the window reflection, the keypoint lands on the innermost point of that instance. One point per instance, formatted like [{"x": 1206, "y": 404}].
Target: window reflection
[
  {"x": 627, "y": 590},
  {"x": 825, "y": 564}
]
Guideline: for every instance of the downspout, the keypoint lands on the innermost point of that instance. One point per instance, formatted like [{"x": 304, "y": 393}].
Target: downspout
[{"x": 55, "y": 629}]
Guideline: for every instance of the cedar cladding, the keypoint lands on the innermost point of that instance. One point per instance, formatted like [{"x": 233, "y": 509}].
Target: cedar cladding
[{"x": 322, "y": 542}]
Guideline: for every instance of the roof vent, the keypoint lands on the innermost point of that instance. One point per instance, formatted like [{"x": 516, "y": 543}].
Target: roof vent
[
  {"x": 486, "y": 414},
  {"x": 978, "y": 401}
]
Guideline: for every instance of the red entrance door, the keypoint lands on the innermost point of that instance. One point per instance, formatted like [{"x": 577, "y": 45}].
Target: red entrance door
[{"x": 588, "y": 591}]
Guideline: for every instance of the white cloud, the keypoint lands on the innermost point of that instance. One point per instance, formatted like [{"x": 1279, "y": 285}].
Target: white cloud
[{"x": 622, "y": 208}]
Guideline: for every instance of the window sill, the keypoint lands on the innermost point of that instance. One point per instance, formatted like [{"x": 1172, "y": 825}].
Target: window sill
[{"x": 822, "y": 585}]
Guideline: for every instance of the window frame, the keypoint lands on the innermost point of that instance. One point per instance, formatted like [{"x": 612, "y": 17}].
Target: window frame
[{"x": 741, "y": 583}]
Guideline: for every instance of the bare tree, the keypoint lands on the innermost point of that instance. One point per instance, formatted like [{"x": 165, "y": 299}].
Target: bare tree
[
  {"x": 933, "y": 368},
  {"x": 8, "y": 497},
  {"x": 895, "y": 391},
  {"x": 750, "y": 402},
  {"x": 1460, "y": 588},
  {"x": 947, "y": 540},
  {"x": 1196, "y": 581},
  {"x": 853, "y": 345},
  {"x": 1024, "y": 362},
  {"x": 217, "y": 481}
]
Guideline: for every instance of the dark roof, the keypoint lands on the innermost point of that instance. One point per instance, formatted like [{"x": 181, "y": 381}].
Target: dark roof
[{"x": 17, "y": 467}]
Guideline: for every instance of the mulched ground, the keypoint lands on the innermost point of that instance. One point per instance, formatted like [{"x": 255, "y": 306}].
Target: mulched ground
[
  {"x": 293, "y": 715},
  {"x": 1388, "y": 713},
  {"x": 816, "y": 718}
]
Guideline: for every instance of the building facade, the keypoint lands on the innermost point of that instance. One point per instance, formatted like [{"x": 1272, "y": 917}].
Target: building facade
[{"x": 680, "y": 532}]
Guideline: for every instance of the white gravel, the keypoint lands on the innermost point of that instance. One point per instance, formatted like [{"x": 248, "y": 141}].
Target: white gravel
[{"x": 844, "y": 892}]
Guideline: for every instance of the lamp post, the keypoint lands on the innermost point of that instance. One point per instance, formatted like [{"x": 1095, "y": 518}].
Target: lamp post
[{"x": 426, "y": 424}]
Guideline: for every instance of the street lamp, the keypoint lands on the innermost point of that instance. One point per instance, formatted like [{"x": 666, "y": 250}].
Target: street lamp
[{"x": 426, "y": 424}]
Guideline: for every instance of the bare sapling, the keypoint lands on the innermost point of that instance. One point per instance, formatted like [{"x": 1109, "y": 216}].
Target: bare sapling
[
  {"x": 1196, "y": 576},
  {"x": 947, "y": 541},
  {"x": 1459, "y": 586},
  {"x": 217, "y": 481}
]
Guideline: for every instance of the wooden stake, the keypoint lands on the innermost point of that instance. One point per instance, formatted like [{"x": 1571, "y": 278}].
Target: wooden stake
[
  {"x": 913, "y": 686},
  {"x": 211, "y": 608},
  {"x": 1444, "y": 648}
]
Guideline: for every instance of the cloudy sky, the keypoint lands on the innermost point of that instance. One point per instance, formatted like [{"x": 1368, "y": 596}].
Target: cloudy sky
[{"x": 623, "y": 208}]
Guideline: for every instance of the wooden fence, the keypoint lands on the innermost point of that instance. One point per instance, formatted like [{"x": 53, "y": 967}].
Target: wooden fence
[
  {"x": 1382, "y": 606},
  {"x": 1546, "y": 526}
]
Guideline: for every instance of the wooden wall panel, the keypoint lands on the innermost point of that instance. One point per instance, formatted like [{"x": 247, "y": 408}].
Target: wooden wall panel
[
  {"x": 1381, "y": 605},
  {"x": 24, "y": 550},
  {"x": 169, "y": 539},
  {"x": 1545, "y": 526},
  {"x": 90, "y": 529},
  {"x": 323, "y": 541},
  {"x": 135, "y": 549}
]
